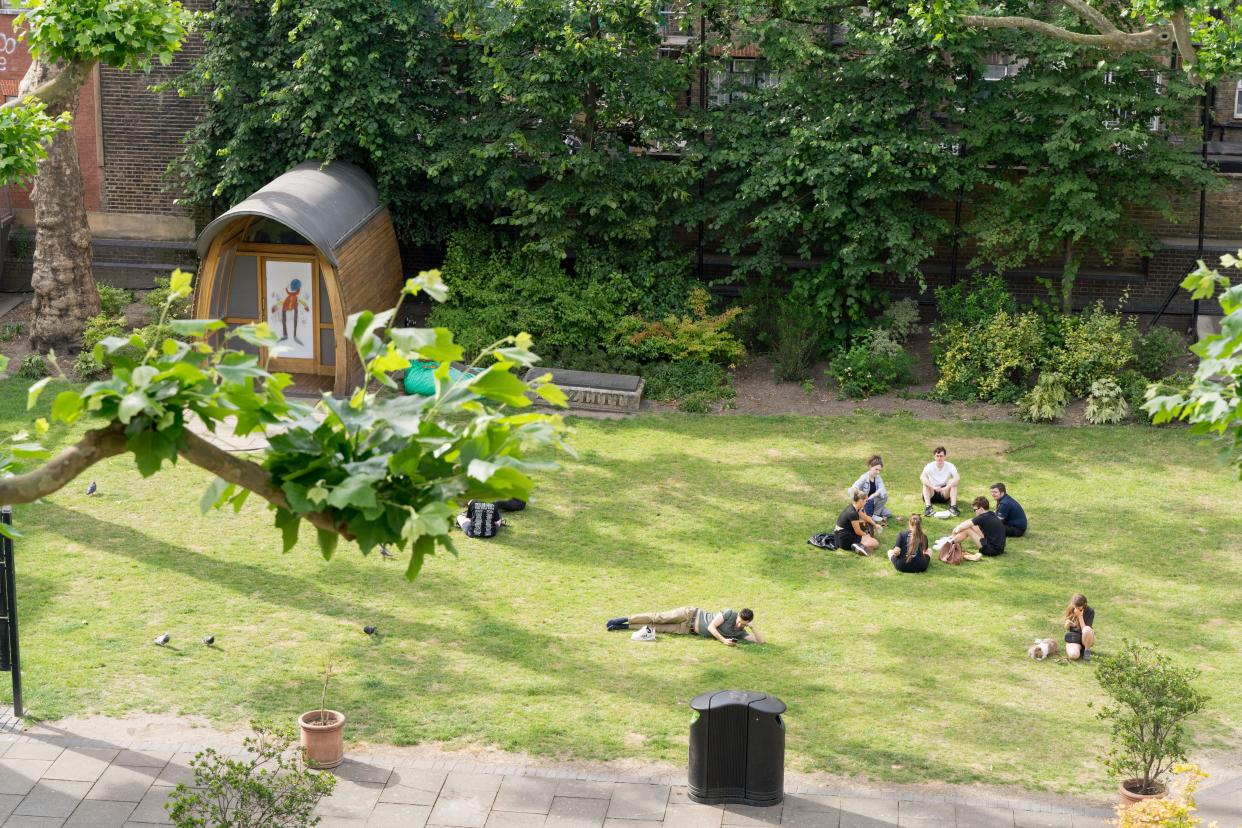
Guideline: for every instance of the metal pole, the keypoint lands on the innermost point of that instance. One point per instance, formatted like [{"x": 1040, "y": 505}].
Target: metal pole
[
  {"x": 6, "y": 517},
  {"x": 702, "y": 109},
  {"x": 1208, "y": 105}
]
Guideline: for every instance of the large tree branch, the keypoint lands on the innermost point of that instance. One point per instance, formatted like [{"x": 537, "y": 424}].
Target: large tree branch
[
  {"x": 66, "y": 82},
  {"x": 1092, "y": 15},
  {"x": 55, "y": 474},
  {"x": 1117, "y": 41},
  {"x": 1185, "y": 47},
  {"x": 109, "y": 441},
  {"x": 252, "y": 476}
]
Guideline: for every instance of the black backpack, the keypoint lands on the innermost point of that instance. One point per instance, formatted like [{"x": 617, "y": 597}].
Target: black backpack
[
  {"x": 826, "y": 540},
  {"x": 484, "y": 519}
]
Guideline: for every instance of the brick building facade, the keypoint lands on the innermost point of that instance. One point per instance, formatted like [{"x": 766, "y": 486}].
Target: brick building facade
[{"x": 126, "y": 135}]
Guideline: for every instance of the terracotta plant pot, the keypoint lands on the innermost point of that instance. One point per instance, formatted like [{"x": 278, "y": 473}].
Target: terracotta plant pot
[
  {"x": 324, "y": 743},
  {"x": 1129, "y": 797}
]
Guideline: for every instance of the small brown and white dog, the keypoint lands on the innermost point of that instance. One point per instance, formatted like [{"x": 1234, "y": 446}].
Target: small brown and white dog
[{"x": 1042, "y": 648}]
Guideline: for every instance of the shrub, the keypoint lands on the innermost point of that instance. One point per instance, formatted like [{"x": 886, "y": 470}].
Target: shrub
[
  {"x": 590, "y": 359},
  {"x": 156, "y": 298},
  {"x": 697, "y": 403},
  {"x": 698, "y": 337},
  {"x": 1097, "y": 344},
  {"x": 86, "y": 366},
  {"x": 667, "y": 381},
  {"x": 496, "y": 288},
  {"x": 862, "y": 373},
  {"x": 113, "y": 301},
  {"x": 1155, "y": 351},
  {"x": 973, "y": 302},
  {"x": 1046, "y": 401},
  {"x": 992, "y": 360},
  {"x": 100, "y": 327},
  {"x": 1134, "y": 389},
  {"x": 1106, "y": 403},
  {"x": 798, "y": 334},
  {"x": 1151, "y": 700},
  {"x": 34, "y": 366},
  {"x": 269, "y": 786},
  {"x": 901, "y": 319},
  {"x": 883, "y": 342}
]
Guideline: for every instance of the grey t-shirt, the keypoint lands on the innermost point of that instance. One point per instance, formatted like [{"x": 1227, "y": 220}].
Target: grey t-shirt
[{"x": 729, "y": 628}]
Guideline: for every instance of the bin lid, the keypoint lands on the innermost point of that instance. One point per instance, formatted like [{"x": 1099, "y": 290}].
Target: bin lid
[{"x": 761, "y": 702}]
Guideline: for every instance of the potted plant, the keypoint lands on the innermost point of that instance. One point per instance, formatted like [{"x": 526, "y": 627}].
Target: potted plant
[
  {"x": 1151, "y": 700},
  {"x": 323, "y": 731}
]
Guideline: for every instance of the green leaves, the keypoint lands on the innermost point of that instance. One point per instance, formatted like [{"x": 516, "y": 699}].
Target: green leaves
[
  {"x": 125, "y": 34},
  {"x": 25, "y": 131},
  {"x": 499, "y": 385}
]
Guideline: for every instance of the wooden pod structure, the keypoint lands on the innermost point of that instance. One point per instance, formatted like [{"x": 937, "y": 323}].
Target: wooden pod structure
[{"x": 303, "y": 253}]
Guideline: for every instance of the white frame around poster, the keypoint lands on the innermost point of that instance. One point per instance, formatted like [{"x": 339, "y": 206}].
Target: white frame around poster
[{"x": 278, "y": 276}]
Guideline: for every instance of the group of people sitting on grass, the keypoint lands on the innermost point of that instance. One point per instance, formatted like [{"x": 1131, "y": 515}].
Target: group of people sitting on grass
[
  {"x": 861, "y": 522},
  {"x": 856, "y": 530}
]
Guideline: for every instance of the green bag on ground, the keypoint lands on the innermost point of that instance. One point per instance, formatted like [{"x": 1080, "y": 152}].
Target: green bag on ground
[{"x": 420, "y": 378}]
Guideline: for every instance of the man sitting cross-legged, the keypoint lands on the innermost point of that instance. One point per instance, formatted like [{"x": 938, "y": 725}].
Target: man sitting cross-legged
[
  {"x": 940, "y": 481},
  {"x": 985, "y": 529},
  {"x": 725, "y": 626}
]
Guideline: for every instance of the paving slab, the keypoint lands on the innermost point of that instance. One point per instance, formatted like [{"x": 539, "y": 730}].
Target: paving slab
[
  {"x": 18, "y": 776},
  {"x": 143, "y": 758},
  {"x": 584, "y": 789},
  {"x": 525, "y": 794},
  {"x": 632, "y": 823},
  {"x": 574, "y": 812},
  {"x": 407, "y": 786},
  {"x": 513, "y": 819},
  {"x": 1081, "y": 821},
  {"x": 8, "y": 804},
  {"x": 351, "y": 800},
  {"x": 151, "y": 809},
  {"x": 811, "y": 819},
  {"x": 750, "y": 815},
  {"x": 1041, "y": 819},
  {"x": 860, "y": 812},
  {"x": 810, "y": 802},
  {"x": 16, "y": 821},
  {"x": 97, "y": 813},
  {"x": 393, "y": 815},
  {"x": 53, "y": 798},
  {"x": 33, "y": 750},
  {"x": 123, "y": 784},
  {"x": 81, "y": 764},
  {"x": 694, "y": 815},
  {"x": 983, "y": 816},
  {"x": 924, "y": 814},
  {"x": 632, "y": 801},
  {"x": 356, "y": 771}
]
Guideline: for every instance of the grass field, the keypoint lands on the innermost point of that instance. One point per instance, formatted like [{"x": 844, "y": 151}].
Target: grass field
[{"x": 899, "y": 677}]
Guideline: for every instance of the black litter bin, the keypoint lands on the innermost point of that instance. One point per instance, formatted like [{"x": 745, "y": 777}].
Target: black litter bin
[{"x": 737, "y": 748}]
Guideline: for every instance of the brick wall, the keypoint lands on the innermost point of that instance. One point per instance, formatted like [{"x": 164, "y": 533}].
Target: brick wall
[{"x": 142, "y": 132}]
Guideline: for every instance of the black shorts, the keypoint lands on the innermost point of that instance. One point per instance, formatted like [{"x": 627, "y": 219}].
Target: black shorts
[
  {"x": 937, "y": 497},
  {"x": 990, "y": 550},
  {"x": 846, "y": 540},
  {"x": 1014, "y": 531}
]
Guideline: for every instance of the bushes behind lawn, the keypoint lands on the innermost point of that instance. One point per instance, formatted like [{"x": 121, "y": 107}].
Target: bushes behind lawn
[{"x": 985, "y": 349}]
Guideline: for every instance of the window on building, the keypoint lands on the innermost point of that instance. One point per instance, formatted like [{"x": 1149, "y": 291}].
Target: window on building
[
  {"x": 730, "y": 80},
  {"x": 1237, "y": 100}
]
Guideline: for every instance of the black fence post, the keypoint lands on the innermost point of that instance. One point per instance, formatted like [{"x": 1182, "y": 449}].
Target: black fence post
[{"x": 10, "y": 652}]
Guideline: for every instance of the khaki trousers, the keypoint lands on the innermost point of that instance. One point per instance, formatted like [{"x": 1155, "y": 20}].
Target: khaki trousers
[{"x": 678, "y": 621}]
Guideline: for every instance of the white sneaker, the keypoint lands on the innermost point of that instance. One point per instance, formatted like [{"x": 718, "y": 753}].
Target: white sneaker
[
  {"x": 860, "y": 549},
  {"x": 645, "y": 634}
]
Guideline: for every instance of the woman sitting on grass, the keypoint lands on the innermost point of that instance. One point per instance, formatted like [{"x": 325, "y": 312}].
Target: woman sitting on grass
[
  {"x": 852, "y": 526},
  {"x": 910, "y": 553},
  {"x": 1079, "y": 634}
]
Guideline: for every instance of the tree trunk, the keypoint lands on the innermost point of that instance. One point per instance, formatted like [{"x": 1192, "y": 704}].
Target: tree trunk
[
  {"x": 65, "y": 295},
  {"x": 1069, "y": 272}
]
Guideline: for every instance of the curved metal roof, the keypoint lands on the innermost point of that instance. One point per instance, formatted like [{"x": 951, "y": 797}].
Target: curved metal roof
[{"x": 325, "y": 204}]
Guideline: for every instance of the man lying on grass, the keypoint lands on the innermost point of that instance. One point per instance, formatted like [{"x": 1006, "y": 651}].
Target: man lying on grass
[{"x": 726, "y": 626}]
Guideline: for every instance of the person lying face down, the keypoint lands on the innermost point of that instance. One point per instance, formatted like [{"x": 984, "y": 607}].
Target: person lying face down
[{"x": 727, "y": 626}]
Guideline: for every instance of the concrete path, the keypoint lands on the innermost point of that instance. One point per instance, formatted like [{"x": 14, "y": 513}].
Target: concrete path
[{"x": 118, "y": 773}]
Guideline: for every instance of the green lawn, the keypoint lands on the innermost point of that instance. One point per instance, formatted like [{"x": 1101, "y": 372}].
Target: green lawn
[{"x": 901, "y": 677}]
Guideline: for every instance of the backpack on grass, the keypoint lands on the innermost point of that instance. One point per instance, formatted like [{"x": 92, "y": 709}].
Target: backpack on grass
[
  {"x": 824, "y": 540},
  {"x": 484, "y": 519}
]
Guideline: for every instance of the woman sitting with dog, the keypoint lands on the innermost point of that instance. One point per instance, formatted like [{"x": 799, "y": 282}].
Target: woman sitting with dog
[
  {"x": 855, "y": 526},
  {"x": 1079, "y": 632},
  {"x": 910, "y": 553}
]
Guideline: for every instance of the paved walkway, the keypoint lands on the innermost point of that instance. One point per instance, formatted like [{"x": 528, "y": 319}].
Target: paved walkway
[{"x": 50, "y": 776}]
